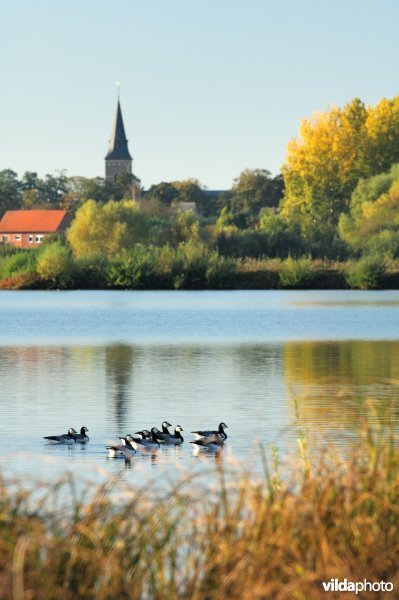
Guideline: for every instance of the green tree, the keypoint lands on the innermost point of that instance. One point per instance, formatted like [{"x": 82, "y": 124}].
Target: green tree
[
  {"x": 31, "y": 199},
  {"x": 53, "y": 264},
  {"x": 32, "y": 190},
  {"x": 82, "y": 189},
  {"x": 163, "y": 192},
  {"x": 366, "y": 273},
  {"x": 372, "y": 225},
  {"x": 31, "y": 181},
  {"x": 54, "y": 188},
  {"x": 43, "y": 193},
  {"x": 189, "y": 191},
  {"x": 256, "y": 189},
  {"x": 370, "y": 189},
  {"x": 10, "y": 191},
  {"x": 184, "y": 227},
  {"x": 226, "y": 222},
  {"x": 126, "y": 187},
  {"x": 107, "y": 228},
  {"x": 212, "y": 202},
  {"x": 283, "y": 239}
]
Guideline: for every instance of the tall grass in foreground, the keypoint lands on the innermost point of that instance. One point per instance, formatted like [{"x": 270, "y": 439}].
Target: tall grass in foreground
[{"x": 330, "y": 517}]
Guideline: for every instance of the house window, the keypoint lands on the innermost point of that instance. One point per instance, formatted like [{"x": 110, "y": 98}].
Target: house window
[
  {"x": 39, "y": 239},
  {"x": 30, "y": 239},
  {"x": 17, "y": 238},
  {"x": 4, "y": 238}
]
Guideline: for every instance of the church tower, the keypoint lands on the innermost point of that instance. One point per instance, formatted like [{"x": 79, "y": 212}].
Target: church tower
[{"x": 118, "y": 159}]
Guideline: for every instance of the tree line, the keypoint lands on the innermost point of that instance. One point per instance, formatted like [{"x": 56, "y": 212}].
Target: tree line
[{"x": 337, "y": 197}]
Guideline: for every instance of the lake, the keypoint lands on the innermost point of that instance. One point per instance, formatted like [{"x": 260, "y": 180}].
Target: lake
[{"x": 265, "y": 362}]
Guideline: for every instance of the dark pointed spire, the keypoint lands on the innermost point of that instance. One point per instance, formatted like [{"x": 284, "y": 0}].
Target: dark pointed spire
[{"x": 117, "y": 147}]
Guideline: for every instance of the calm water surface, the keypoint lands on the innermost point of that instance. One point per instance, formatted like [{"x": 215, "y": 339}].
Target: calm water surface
[{"x": 120, "y": 361}]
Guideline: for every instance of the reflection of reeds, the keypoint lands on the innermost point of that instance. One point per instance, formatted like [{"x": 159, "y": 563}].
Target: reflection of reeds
[{"x": 274, "y": 539}]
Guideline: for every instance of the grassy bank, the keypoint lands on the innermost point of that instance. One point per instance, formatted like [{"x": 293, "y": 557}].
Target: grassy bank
[
  {"x": 306, "y": 522},
  {"x": 188, "y": 267}
]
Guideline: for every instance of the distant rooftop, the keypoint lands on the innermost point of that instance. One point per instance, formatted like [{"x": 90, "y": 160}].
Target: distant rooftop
[
  {"x": 214, "y": 192},
  {"x": 33, "y": 221}
]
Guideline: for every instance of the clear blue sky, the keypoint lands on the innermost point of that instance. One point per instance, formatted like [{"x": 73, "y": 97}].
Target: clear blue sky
[{"x": 208, "y": 88}]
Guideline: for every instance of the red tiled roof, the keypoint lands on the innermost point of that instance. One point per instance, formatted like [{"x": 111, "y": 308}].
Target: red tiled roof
[{"x": 33, "y": 221}]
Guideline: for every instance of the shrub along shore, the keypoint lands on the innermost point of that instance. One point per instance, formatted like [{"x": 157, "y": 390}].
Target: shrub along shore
[
  {"x": 188, "y": 267},
  {"x": 317, "y": 518}
]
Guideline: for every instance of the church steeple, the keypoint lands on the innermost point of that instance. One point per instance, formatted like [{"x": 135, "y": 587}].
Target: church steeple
[{"x": 118, "y": 158}]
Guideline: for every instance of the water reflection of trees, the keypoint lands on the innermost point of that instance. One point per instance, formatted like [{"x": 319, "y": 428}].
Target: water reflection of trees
[
  {"x": 119, "y": 366},
  {"x": 331, "y": 381}
]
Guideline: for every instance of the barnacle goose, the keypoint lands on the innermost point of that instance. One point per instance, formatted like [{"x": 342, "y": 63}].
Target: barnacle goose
[
  {"x": 123, "y": 449},
  {"x": 145, "y": 443},
  {"x": 203, "y": 435},
  {"x": 81, "y": 437},
  {"x": 162, "y": 436},
  {"x": 65, "y": 438},
  {"x": 209, "y": 444},
  {"x": 175, "y": 438}
]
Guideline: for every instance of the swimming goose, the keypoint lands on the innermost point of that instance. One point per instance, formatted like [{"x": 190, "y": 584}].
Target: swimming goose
[
  {"x": 210, "y": 445},
  {"x": 81, "y": 437},
  {"x": 144, "y": 434},
  {"x": 145, "y": 443},
  {"x": 175, "y": 438},
  {"x": 123, "y": 449},
  {"x": 203, "y": 435},
  {"x": 65, "y": 438},
  {"x": 162, "y": 436}
]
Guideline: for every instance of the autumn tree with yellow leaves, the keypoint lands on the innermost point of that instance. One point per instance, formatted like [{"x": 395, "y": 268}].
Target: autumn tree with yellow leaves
[
  {"x": 333, "y": 151},
  {"x": 107, "y": 228}
]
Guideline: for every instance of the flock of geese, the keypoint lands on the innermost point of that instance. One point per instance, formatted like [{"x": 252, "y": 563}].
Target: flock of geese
[{"x": 211, "y": 440}]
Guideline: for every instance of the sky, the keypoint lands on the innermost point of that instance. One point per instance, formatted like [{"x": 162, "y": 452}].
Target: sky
[{"x": 208, "y": 88}]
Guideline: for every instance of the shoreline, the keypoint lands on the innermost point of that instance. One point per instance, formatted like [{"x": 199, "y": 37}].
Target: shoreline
[{"x": 191, "y": 268}]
